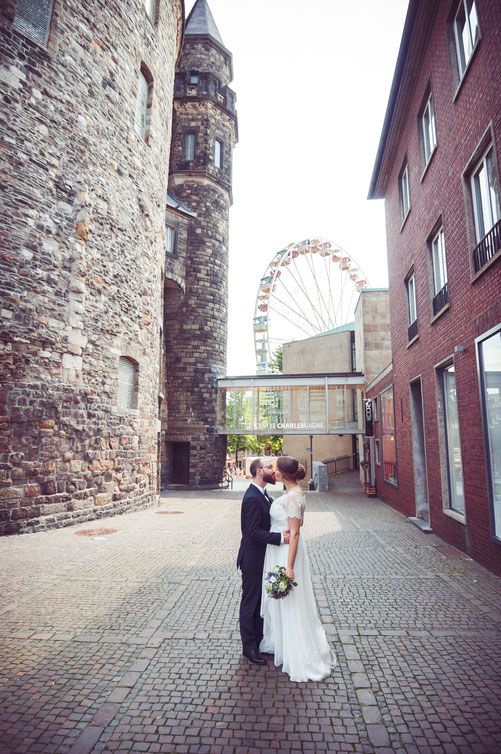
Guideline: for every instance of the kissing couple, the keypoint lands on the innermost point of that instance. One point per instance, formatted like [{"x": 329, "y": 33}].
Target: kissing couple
[{"x": 288, "y": 628}]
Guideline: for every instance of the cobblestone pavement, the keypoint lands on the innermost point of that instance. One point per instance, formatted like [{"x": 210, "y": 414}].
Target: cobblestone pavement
[{"x": 129, "y": 641}]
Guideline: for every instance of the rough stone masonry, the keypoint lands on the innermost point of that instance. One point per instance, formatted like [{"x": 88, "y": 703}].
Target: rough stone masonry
[{"x": 82, "y": 247}]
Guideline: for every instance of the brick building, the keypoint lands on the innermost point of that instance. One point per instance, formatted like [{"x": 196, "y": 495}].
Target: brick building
[
  {"x": 437, "y": 438},
  {"x": 114, "y": 226}
]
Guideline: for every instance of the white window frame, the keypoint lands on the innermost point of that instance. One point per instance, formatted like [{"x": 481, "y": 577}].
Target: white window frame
[
  {"x": 189, "y": 146},
  {"x": 439, "y": 261},
  {"x": 218, "y": 153},
  {"x": 405, "y": 194},
  {"x": 170, "y": 239},
  {"x": 429, "y": 130},
  {"x": 25, "y": 25},
  {"x": 465, "y": 35},
  {"x": 484, "y": 194},
  {"x": 411, "y": 298}
]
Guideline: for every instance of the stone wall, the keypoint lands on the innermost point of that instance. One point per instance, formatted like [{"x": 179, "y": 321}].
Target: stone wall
[
  {"x": 196, "y": 319},
  {"x": 372, "y": 333},
  {"x": 82, "y": 253}
]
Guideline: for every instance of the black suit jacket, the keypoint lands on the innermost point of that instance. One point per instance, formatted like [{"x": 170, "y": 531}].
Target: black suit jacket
[{"x": 255, "y": 522}]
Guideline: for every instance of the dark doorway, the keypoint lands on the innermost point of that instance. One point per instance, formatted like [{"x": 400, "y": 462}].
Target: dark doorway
[{"x": 180, "y": 463}]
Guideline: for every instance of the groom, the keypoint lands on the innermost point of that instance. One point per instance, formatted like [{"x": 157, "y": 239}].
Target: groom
[{"x": 255, "y": 522}]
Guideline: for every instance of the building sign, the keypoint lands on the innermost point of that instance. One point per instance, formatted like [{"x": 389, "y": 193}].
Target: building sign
[
  {"x": 301, "y": 425},
  {"x": 369, "y": 428}
]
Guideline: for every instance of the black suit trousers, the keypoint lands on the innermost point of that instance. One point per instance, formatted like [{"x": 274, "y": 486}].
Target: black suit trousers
[{"x": 251, "y": 623}]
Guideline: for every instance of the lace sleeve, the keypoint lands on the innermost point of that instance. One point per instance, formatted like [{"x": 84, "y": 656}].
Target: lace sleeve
[{"x": 293, "y": 505}]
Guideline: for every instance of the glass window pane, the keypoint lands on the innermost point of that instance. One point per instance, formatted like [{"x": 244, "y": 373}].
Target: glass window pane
[
  {"x": 239, "y": 409},
  {"x": 127, "y": 375},
  {"x": 491, "y": 379},
  {"x": 189, "y": 147},
  {"x": 336, "y": 407},
  {"x": 455, "y": 464},
  {"x": 439, "y": 265},
  {"x": 473, "y": 19},
  {"x": 411, "y": 289},
  {"x": 459, "y": 31},
  {"x": 388, "y": 436},
  {"x": 170, "y": 236},
  {"x": 33, "y": 18},
  {"x": 217, "y": 153},
  {"x": 150, "y": 8}
]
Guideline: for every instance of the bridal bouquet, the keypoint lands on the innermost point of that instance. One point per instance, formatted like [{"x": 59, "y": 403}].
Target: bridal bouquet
[{"x": 276, "y": 583}]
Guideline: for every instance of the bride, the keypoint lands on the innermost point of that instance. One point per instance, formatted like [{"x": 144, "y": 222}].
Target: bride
[{"x": 292, "y": 629}]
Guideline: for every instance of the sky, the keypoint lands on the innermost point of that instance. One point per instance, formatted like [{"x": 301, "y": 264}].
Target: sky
[{"x": 312, "y": 81}]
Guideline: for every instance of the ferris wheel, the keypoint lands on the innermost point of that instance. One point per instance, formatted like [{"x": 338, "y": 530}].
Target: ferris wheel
[{"x": 308, "y": 288}]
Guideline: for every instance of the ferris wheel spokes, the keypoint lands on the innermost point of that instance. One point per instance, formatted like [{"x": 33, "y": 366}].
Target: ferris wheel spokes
[{"x": 300, "y": 298}]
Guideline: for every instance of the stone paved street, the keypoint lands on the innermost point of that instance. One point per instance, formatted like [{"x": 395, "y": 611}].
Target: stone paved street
[{"x": 129, "y": 641}]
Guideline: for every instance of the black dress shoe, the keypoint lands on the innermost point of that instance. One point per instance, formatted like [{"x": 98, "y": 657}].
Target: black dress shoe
[{"x": 254, "y": 656}]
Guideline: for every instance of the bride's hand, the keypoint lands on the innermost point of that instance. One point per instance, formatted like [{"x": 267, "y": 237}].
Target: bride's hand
[{"x": 289, "y": 573}]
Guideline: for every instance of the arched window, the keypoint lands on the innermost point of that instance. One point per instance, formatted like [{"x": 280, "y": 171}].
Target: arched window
[
  {"x": 32, "y": 18},
  {"x": 143, "y": 103},
  {"x": 127, "y": 383}
]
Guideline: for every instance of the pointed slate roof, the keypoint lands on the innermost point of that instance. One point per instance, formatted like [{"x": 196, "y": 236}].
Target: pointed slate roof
[{"x": 200, "y": 23}]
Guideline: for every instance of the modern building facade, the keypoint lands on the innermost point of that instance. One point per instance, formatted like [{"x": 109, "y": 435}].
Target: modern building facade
[
  {"x": 437, "y": 407},
  {"x": 112, "y": 232}
]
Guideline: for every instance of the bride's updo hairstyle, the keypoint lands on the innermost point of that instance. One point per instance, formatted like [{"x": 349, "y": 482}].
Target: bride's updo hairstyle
[{"x": 291, "y": 468}]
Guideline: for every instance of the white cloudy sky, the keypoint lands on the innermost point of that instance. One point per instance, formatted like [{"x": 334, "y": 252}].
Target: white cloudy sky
[{"x": 312, "y": 82}]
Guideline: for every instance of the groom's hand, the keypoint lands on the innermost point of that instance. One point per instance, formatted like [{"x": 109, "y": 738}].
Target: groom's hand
[{"x": 286, "y": 535}]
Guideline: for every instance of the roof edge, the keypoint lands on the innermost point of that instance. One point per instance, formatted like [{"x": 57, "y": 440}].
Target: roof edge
[{"x": 395, "y": 88}]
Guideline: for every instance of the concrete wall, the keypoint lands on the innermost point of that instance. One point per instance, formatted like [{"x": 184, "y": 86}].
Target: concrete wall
[{"x": 324, "y": 353}]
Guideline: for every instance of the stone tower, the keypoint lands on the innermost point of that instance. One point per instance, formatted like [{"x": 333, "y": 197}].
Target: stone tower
[
  {"x": 86, "y": 92},
  {"x": 204, "y": 132}
]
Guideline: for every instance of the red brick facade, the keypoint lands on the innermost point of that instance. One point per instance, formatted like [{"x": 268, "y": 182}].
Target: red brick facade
[{"x": 467, "y": 119}]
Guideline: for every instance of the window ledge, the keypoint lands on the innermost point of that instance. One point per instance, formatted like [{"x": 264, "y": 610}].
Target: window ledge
[
  {"x": 455, "y": 515},
  {"x": 465, "y": 72},
  {"x": 439, "y": 314},
  {"x": 392, "y": 484},
  {"x": 428, "y": 163},
  {"x": 409, "y": 344},
  {"x": 405, "y": 219},
  {"x": 486, "y": 266},
  {"x": 123, "y": 411}
]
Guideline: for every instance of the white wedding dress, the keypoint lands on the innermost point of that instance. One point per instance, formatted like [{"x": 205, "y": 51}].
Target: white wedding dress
[{"x": 292, "y": 629}]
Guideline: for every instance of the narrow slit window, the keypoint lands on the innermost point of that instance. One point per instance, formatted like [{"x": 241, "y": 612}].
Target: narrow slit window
[
  {"x": 189, "y": 147},
  {"x": 218, "y": 152},
  {"x": 405, "y": 197},
  {"x": 127, "y": 383},
  {"x": 141, "y": 106},
  {"x": 170, "y": 239}
]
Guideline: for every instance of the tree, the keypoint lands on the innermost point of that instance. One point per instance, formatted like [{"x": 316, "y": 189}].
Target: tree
[{"x": 277, "y": 361}]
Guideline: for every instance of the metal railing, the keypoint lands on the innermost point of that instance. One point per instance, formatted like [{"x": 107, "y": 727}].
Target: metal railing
[
  {"x": 412, "y": 330},
  {"x": 441, "y": 299},
  {"x": 488, "y": 247},
  {"x": 341, "y": 463}
]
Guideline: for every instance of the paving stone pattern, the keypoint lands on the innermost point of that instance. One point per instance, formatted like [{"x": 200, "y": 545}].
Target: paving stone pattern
[{"x": 130, "y": 643}]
